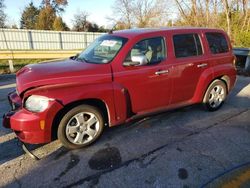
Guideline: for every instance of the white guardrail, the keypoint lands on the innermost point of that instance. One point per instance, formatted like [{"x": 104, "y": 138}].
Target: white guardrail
[
  {"x": 21, "y": 39},
  {"x": 39, "y": 44}
]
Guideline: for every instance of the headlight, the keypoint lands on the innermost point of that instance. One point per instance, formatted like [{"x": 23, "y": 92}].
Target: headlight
[{"x": 36, "y": 103}]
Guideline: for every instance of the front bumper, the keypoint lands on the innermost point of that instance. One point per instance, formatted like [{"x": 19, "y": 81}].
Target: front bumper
[{"x": 33, "y": 128}]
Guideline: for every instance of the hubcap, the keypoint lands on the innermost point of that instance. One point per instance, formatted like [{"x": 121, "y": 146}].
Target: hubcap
[
  {"x": 82, "y": 128},
  {"x": 216, "y": 96}
]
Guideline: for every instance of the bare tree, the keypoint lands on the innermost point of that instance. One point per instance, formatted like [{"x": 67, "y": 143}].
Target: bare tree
[
  {"x": 2, "y": 14},
  {"x": 228, "y": 11},
  {"x": 199, "y": 12},
  {"x": 207, "y": 12},
  {"x": 80, "y": 22},
  {"x": 188, "y": 12},
  {"x": 150, "y": 13},
  {"x": 230, "y": 15},
  {"x": 195, "y": 12},
  {"x": 140, "y": 13},
  {"x": 181, "y": 9},
  {"x": 246, "y": 15},
  {"x": 123, "y": 12}
]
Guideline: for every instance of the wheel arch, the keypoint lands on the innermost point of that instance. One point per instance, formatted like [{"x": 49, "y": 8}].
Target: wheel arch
[
  {"x": 210, "y": 86},
  {"x": 223, "y": 78},
  {"x": 226, "y": 80},
  {"x": 204, "y": 83},
  {"x": 101, "y": 105}
]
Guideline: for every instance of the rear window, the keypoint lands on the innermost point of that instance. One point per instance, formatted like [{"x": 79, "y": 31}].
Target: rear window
[
  {"x": 217, "y": 43},
  {"x": 187, "y": 45}
]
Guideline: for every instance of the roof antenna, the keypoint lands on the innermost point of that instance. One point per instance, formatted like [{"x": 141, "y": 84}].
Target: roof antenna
[{"x": 112, "y": 29}]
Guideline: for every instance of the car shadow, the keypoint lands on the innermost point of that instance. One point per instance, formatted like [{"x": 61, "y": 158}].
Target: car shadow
[
  {"x": 12, "y": 148},
  {"x": 9, "y": 150},
  {"x": 7, "y": 78},
  {"x": 4, "y": 107}
]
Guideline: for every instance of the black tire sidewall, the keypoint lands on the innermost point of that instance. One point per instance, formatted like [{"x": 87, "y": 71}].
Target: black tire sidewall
[
  {"x": 206, "y": 97},
  {"x": 61, "y": 132}
]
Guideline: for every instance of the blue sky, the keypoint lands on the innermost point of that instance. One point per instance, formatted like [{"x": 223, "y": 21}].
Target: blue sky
[{"x": 98, "y": 10}]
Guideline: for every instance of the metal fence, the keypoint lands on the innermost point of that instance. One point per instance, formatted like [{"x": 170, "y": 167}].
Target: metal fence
[{"x": 19, "y": 39}]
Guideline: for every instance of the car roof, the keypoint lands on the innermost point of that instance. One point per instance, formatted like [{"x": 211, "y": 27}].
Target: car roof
[{"x": 130, "y": 33}]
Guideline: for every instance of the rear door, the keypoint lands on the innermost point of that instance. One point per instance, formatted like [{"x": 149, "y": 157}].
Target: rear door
[{"x": 188, "y": 64}]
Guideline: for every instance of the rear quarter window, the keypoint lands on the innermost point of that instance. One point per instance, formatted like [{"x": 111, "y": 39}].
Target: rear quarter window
[{"x": 217, "y": 43}]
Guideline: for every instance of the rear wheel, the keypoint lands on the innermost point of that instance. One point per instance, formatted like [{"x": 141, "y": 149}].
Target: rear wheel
[
  {"x": 80, "y": 127},
  {"x": 215, "y": 95}
]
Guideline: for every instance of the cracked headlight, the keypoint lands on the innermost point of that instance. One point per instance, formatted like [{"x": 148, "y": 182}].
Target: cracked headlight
[{"x": 36, "y": 103}]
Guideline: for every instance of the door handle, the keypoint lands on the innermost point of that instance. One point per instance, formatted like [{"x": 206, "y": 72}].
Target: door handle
[
  {"x": 202, "y": 65},
  {"x": 161, "y": 72}
]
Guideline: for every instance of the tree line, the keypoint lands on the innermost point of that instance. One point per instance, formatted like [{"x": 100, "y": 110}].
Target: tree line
[
  {"x": 48, "y": 17},
  {"x": 233, "y": 16}
]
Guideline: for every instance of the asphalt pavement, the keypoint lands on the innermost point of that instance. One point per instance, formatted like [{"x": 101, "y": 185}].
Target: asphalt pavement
[{"x": 185, "y": 148}]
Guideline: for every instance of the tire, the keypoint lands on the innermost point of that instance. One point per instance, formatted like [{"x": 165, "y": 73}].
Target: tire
[
  {"x": 80, "y": 127},
  {"x": 215, "y": 95}
]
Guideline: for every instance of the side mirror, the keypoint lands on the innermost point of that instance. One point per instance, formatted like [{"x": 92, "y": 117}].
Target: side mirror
[
  {"x": 137, "y": 60},
  {"x": 141, "y": 59}
]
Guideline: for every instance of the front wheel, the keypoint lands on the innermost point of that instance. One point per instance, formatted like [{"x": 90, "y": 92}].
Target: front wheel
[
  {"x": 80, "y": 127},
  {"x": 215, "y": 95}
]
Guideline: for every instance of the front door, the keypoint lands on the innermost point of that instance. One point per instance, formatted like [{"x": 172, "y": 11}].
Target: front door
[{"x": 148, "y": 82}]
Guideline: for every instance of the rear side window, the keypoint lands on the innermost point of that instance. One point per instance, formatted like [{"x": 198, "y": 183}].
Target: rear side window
[
  {"x": 217, "y": 43},
  {"x": 187, "y": 45}
]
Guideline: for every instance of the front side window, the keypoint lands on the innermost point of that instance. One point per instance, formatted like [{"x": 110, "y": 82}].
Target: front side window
[
  {"x": 187, "y": 45},
  {"x": 103, "y": 49},
  {"x": 217, "y": 43},
  {"x": 152, "y": 50}
]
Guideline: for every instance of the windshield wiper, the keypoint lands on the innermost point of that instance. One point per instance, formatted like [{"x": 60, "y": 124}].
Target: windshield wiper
[
  {"x": 82, "y": 59},
  {"x": 74, "y": 57}
]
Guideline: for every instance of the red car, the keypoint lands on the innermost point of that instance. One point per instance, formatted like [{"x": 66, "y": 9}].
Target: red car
[{"x": 121, "y": 76}]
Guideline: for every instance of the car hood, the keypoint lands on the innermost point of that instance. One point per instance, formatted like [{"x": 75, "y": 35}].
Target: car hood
[{"x": 61, "y": 72}]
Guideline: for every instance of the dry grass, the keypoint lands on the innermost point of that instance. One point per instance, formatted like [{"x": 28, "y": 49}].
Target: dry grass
[{"x": 18, "y": 64}]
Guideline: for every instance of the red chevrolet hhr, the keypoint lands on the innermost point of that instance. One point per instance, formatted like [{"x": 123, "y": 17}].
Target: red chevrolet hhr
[{"x": 121, "y": 76}]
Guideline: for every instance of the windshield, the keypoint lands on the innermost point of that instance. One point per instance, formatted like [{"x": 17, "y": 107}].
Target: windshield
[{"x": 103, "y": 49}]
